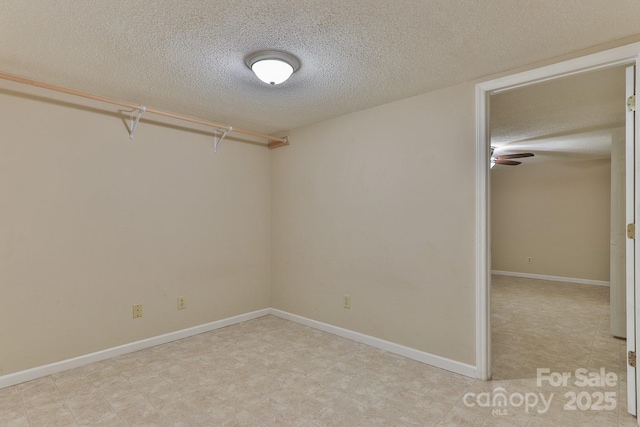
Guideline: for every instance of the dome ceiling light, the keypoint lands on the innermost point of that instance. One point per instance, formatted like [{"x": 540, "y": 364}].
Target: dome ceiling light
[{"x": 272, "y": 66}]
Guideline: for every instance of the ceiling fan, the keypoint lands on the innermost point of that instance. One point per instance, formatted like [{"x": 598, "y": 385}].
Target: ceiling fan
[{"x": 507, "y": 159}]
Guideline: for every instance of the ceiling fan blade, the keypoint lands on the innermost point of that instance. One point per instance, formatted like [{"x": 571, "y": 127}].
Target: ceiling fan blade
[
  {"x": 499, "y": 161},
  {"x": 515, "y": 156}
]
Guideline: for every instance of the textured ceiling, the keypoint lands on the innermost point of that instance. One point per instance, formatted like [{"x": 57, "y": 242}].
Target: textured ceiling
[
  {"x": 572, "y": 118},
  {"x": 187, "y": 56}
]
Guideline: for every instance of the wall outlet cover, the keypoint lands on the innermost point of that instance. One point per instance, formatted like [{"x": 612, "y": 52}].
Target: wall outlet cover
[
  {"x": 137, "y": 311},
  {"x": 346, "y": 301}
]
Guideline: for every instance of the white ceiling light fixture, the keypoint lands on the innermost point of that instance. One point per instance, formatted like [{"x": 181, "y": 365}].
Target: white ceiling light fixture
[{"x": 272, "y": 66}]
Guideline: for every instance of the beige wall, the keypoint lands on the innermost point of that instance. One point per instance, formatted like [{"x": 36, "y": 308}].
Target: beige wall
[
  {"x": 556, "y": 213},
  {"x": 92, "y": 223},
  {"x": 380, "y": 205}
]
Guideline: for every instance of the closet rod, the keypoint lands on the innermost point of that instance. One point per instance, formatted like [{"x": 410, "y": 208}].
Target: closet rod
[{"x": 273, "y": 142}]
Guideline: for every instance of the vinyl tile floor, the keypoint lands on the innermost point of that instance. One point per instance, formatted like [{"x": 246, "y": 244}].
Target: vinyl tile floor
[{"x": 272, "y": 372}]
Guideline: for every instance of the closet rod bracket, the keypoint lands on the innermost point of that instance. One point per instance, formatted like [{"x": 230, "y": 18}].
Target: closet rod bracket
[
  {"x": 133, "y": 123},
  {"x": 218, "y": 141}
]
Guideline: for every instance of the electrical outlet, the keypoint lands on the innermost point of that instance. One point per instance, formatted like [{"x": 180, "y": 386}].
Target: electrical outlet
[
  {"x": 529, "y": 260},
  {"x": 137, "y": 311},
  {"x": 182, "y": 302},
  {"x": 346, "y": 301}
]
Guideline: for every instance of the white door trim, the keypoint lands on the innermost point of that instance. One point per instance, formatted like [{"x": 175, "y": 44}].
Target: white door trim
[
  {"x": 618, "y": 56},
  {"x": 630, "y": 245}
]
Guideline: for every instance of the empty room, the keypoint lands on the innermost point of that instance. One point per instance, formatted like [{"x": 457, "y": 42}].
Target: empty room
[
  {"x": 553, "y": 282},
  {"x": 280, "y": 213}
]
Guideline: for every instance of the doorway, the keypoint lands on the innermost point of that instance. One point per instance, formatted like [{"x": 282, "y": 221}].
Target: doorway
[
  {"x": 615, "y": 57},
  {"x": 550, "y": 278}
]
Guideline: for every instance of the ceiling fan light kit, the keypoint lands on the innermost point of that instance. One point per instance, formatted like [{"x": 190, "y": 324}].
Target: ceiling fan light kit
[{"x": 272, "y": 66}]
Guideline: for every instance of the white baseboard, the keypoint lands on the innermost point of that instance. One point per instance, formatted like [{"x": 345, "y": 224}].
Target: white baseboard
[
  {"x": 65, "y": 365},
  {"x": 408, "y": 352},
  {"x": 554, "y": 278}
]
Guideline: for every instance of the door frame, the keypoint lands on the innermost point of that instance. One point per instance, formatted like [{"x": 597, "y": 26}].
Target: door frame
[{"x": 629, "y": 54}]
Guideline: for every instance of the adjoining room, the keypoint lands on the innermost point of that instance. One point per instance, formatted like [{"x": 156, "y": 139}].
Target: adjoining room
[{"x": 554, "y": 256}]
